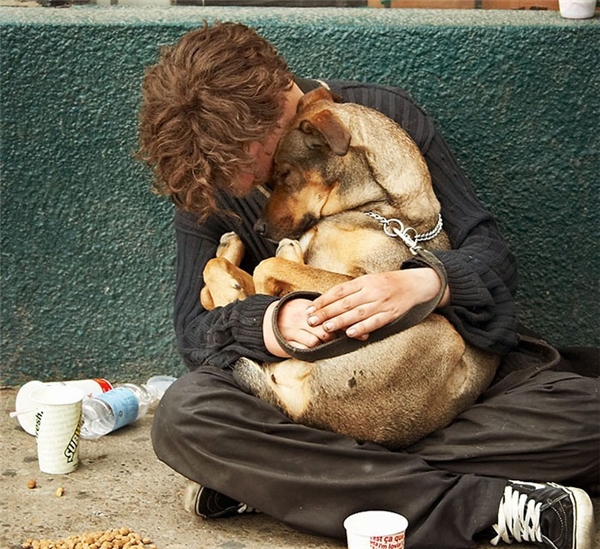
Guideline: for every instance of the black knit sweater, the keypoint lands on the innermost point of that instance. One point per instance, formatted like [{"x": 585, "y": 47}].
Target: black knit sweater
[{"x": 481, "y": 270}]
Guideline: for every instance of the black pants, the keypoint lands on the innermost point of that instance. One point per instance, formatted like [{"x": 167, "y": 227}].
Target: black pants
[{"x": 533, "y": 423}]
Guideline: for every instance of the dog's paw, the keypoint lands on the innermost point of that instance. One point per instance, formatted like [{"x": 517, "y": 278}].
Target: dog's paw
[
  {"x": 231, "y": 248},
  {"x": 227, "y": 240},
  {"x": 290, "y": 250}
]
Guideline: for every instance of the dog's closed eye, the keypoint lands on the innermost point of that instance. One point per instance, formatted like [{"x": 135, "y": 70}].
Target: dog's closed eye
[{"x": 283, "y": 171}]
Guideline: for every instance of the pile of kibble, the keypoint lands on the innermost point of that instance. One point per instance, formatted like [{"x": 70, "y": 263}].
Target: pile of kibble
[{"x": 119, "y": 538}]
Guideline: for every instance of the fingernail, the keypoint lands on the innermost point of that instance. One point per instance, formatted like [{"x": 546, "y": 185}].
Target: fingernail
[
  {"x": 312, "y": 320},
  {"x": 350, "y": 332},
  {"x": 311, "y": 309}
]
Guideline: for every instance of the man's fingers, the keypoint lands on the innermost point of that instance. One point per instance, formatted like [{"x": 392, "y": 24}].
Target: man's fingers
[
  {"x": 361, "y": 330},
  {"x": 343, "y": 312}
]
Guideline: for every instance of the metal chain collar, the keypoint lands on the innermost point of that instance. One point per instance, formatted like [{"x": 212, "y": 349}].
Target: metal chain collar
[{"x": 410, "y": 237}]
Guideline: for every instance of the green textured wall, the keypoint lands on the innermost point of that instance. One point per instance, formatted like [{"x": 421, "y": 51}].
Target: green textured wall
[{"x": 87, "y": 251}]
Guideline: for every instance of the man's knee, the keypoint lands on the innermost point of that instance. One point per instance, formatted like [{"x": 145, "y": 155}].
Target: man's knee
[
  {"x": 179, "y": 414},
  {"x": 192, "y": 407}
]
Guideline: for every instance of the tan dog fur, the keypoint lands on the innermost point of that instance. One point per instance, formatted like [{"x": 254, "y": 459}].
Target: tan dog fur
[{"x": 336, "y": 162}]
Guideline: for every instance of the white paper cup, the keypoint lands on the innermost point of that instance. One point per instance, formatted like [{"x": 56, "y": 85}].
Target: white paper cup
[
  {"x": 376, "y": 530},
  {"x": 577, "y": 9},
  {"x": 57, "y": 427}
]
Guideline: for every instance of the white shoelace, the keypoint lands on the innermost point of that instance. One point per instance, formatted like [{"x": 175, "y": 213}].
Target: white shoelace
[
  {"x": 518, "y": 518},
  {"x": 245, "y": 508}
]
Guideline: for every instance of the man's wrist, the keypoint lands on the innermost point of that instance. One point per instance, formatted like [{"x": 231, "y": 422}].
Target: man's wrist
[{"x": 269, "y": 338}]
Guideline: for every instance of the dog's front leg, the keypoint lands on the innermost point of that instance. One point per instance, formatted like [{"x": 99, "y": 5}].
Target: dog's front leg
[
  {"x": 224, "y": 284},
  {"x": 278, "y": 276},
  {"x": 224, "y": 281}
]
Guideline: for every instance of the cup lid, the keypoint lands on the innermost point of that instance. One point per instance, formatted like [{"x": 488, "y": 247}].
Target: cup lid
[{"x": 24, "y": 406}]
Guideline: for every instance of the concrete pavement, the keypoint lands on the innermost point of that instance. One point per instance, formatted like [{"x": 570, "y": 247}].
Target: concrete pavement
[{"x": 119, "y": 483}]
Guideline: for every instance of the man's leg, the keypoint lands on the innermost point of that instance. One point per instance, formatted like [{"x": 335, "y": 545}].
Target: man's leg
[
  {"x": 542, "y": 428},
  {"x": 218, "y": 436},
  {"x": 449, "y": 485}
]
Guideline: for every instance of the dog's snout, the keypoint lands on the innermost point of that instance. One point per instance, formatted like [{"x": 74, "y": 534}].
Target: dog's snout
[
  {"x": 260, "y": 226},
  {"x": 266, "y": 230}
]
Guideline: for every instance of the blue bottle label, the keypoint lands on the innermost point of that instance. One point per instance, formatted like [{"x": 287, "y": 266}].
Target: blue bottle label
[{"x": 124, "y": 405}]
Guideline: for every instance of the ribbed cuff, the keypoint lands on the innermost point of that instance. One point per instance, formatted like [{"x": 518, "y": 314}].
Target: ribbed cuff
[
  {"x": 465, "y": 288},
  {"x": 250, "y": 328}
]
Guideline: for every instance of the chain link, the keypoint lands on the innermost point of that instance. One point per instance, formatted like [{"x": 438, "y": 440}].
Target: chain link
[{"x": 395, "y": 228}]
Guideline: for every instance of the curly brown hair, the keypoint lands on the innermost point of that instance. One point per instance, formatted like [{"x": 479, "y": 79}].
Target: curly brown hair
[{"x": 215, "y": 91}]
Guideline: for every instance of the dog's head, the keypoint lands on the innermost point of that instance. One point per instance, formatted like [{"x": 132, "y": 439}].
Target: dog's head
[{"x": 333, "y": 158}]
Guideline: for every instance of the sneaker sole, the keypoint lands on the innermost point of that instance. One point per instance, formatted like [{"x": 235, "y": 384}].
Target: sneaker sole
[
  {"x": 584, "y": 518},
  {"x": 190, "y": 494}
]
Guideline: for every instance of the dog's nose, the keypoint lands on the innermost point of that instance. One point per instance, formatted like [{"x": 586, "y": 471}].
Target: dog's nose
[{"x": 260, "y": 227}]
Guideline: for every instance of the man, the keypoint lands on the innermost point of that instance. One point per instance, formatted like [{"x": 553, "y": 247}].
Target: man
[{"x": 214, "y": 109}]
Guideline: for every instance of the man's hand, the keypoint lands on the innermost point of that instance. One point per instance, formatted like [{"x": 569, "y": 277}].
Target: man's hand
[
  {"x": 292, "y": 322},
  {"x": 368, "y": 302}
]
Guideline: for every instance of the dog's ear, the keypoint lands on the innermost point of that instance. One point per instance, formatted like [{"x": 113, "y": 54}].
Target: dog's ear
[
  {"x": 325, "y": 128},
  {"x": 318, "y": 94}
]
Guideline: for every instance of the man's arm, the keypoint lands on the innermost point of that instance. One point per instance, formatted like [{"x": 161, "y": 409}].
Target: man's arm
[{"x": 220, "y": 336}]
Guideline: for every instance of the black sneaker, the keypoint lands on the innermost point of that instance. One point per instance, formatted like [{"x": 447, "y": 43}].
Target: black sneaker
[
  {"x": 207, "y": 503},
  {"x": 547, "y": 514}
]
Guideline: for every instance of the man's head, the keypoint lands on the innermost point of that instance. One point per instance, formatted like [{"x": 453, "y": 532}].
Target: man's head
[{"x": 211, "y": 106}]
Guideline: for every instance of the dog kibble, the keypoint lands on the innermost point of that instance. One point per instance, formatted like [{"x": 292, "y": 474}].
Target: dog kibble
[
  {"x": 59, "y": 492},
  {"x": 119, "y": 538},
  {"x": 31, "y": 483}
]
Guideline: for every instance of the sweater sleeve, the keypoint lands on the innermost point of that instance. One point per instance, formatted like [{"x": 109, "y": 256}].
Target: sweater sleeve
[
  {"x": 481, "y": 269},
  {"x": 223, "y": 335}
]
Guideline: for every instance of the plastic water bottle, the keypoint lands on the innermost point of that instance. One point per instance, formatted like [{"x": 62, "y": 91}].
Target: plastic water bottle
[{"x": 121, "y": 406}]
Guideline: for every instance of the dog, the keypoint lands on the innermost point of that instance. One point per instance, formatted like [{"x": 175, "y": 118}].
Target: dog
[{"x": 342, "y": 174}]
